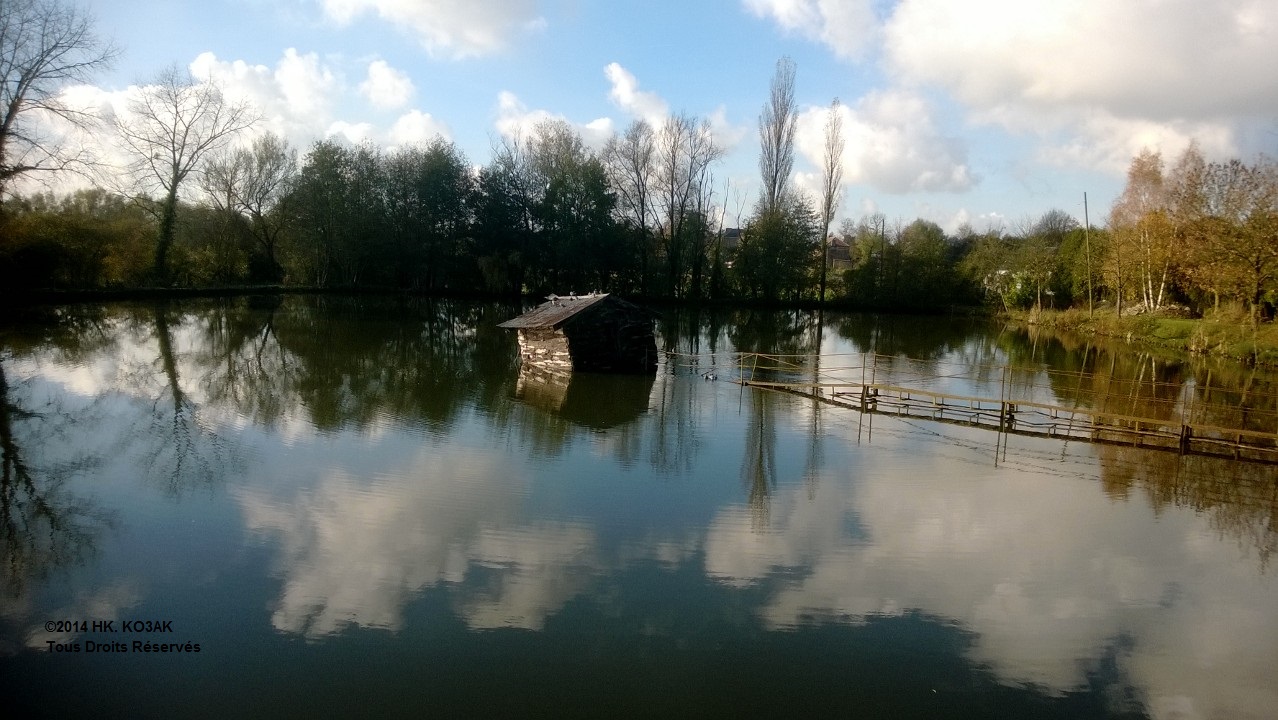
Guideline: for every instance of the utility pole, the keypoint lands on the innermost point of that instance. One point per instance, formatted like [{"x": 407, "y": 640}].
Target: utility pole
[{"x": 1087, "y": 244}]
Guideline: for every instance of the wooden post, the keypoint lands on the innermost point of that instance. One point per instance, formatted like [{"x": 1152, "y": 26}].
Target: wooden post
[{"x": 1002, "y": 401}]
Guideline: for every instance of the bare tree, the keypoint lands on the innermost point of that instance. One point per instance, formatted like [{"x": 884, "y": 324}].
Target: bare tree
[
  {"x": 776, "y": 135},
  {"x": 170, "y": 128},
  {"x": 685, "y": 151},
  {"x": 832, "y": 177},
  {"x": 44, "y": 46},
  {"x": 629, "y": 160},
  {"x": 255, "y": 181}
]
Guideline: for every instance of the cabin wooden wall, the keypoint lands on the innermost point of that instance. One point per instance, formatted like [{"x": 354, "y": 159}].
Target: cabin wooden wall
[{"x": 545, "y": 347}]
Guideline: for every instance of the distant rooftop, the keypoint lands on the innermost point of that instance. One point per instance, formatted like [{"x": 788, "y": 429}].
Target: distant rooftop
[{"x": 553, "y": 313}]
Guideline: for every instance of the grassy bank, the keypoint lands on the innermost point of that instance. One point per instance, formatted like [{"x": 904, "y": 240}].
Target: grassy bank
[{"x": 1228, "y": 334}]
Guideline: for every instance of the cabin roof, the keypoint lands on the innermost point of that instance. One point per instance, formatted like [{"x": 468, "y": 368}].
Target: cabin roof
[{"x": 553, "y": 313}]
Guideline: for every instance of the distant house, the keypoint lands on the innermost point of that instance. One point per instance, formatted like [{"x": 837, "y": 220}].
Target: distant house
[
  {"x": 838, "y": 252},
  {"x": 731, "y": 238},
  {"x": 591, "y": 333}
]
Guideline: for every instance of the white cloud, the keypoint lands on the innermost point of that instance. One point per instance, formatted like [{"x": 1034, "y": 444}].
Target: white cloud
[
  {"x": 848, "y": 27},
  {"x": 1129, "y": 57},
  {"x": 1112, "y": 77},
  {"x": 295, "y": 98},
  {"x": 1094, "y": 80},
  {"x": 627, "y": 96},
  {"x": 457, "y": 28},
  {"x": 726, "y": 135},
  {"x": 890, "y": 144},
  {"x": 354, "y": 133},
  {"x": 596, "y": 132},
  {"x": 298, "y": 97},
  {"x": 514, "y": 119},
  {"x": 651, "y": 107},
  {"x": 385, "y": 87},
  {"x": 416, "y": 126},
  {"x": 305, "y": 84},
  {"x": 1103, "y": 141}
]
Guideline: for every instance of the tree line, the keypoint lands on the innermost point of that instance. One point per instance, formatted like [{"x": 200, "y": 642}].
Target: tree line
[
  {"x": 204, "y": 200},
  {"x": 1196, "y": 233}
]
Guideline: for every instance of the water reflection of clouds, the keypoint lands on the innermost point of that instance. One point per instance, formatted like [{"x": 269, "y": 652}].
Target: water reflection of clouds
[
  {"x": 1049, "y": 575},
  {"x": 535, "y": 570},
  {"x": 359, "y": 549},
  {"x": 111, "y": 601}
]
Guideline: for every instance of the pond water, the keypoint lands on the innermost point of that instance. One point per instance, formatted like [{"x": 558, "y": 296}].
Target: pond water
[{"x": 360, "y": 507}]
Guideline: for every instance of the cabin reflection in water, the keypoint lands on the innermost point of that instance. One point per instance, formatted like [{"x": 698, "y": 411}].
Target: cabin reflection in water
[{"x": 594, "y": 401}]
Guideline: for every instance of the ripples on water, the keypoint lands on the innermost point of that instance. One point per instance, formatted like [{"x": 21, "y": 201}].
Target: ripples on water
[{"x": 361, "y": 506}]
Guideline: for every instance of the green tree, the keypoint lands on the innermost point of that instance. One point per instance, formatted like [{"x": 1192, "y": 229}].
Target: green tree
[
  {"x": 870, "y": 254},
  {"x": 926, "y": 276},
  {"x": 320, "y": 201},
  {"x": 630, "y": 162},
  {"x": 991, "y": 264},
  {"x": 428, "y": 199},
  {"x": 91, "y": 238},
  {"x": 503, "y": 227},
  {"x": 775, "y": 255},
  {"x": 1241, "y": 232}
]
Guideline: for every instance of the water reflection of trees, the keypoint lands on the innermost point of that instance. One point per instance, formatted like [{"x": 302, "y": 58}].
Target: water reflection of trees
[
  {"x": 350, "y": 363},
  {"x": 1241, "y": 498},
  {"x": 183, "y": 451},
  {"x": 419, "y": 361},
  {"x": 795, "y": 337},
  {"x": 242, "y": 362},
  {"x": 1114, "y": 378},
  {"x": 917, "y": 337},
  {"x": 44, "y": 525},
  {"x": 759, "y": 462}
]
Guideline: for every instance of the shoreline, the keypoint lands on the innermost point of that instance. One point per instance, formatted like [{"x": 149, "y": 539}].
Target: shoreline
[{"x": 1224, "y": 335}]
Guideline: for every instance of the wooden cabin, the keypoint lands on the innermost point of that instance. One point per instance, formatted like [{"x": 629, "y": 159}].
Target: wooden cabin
[{"x": 589, "y": 333}]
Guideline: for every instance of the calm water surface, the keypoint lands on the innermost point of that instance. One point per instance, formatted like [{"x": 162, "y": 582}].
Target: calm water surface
[{"x": 359, "y": 507}]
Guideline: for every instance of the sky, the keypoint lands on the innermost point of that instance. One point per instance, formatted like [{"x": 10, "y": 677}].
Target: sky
[{"x": 986, "y": 112}]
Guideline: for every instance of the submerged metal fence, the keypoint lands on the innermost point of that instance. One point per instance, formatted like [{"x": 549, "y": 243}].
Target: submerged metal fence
[{"x": 1183, "y": 417}]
